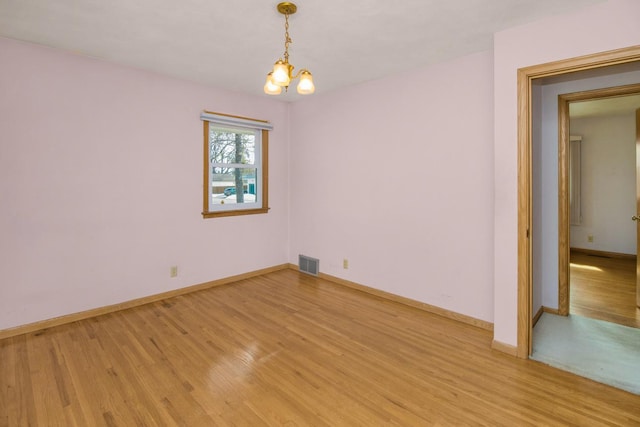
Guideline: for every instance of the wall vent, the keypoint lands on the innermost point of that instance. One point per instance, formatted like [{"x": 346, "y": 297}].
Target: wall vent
[{"x": 308, "y": 265}]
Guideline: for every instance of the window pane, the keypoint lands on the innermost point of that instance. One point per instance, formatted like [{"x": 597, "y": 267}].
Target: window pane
[
  {"x": 233, "y": 185},
  {"x": 232, "y": 146}
]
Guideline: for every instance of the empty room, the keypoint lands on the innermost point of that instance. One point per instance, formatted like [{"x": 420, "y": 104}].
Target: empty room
[{"x": 310, "y": 213}]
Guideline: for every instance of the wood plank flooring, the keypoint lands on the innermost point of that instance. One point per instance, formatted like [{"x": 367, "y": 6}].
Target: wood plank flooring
[
  {"x": 604, "y": 288},
  {"x": 286, "y": 349}
]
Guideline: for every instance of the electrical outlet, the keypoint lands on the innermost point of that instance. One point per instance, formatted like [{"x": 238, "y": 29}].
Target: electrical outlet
[
  {"x": 590, "y": 238},
  {"x": 174, "y": 271},
  {"x": 345, "y": 264}
]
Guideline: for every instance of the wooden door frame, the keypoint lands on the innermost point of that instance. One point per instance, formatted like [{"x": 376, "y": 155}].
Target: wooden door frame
[
  {"x": 525, "y": 79},
  {"x": 564, "y": 246},
  {"x": 637, "y": 204}
]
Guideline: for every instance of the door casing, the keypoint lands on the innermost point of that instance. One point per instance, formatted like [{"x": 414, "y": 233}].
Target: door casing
[{"x": 637, "y": 205}]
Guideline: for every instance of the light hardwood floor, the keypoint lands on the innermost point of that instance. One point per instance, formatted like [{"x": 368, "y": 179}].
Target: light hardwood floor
[
  {"x": 604, "y": 288},
  {"x": 286, "y": 349}
]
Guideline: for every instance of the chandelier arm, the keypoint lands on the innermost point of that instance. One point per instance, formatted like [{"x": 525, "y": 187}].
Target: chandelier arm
[{"x": 300, "y": 71}]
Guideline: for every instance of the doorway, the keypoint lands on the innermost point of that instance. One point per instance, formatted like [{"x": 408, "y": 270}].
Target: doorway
[
  {"x": 526, "y": 78},
  {"x": 603, "y": 274},
  {"x": 590, "y": 346}
]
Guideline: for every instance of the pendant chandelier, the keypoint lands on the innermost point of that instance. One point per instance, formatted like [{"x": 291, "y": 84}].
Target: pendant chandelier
[{"x": 282, "y": 73}]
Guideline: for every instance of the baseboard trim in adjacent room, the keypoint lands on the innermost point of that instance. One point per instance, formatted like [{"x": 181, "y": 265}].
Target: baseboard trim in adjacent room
[
  {"x": 537, "y": 316},
  {"x": 406, "y": 301},
  {"x": 505, "y": 348},
  {"x": 543, "y": 309},
  {"x": 604, "y": 254},
  {"x": 69, "y": 318}
]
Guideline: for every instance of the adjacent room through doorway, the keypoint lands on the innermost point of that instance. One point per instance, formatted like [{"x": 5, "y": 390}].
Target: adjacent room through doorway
[{"x": 584, "y": 272}]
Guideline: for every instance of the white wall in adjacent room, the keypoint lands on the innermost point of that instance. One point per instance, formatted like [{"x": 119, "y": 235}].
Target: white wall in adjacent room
[{"x": 608, "y": 183}]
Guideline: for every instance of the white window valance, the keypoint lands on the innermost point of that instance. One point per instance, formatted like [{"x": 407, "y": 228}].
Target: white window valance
[{"x": 224, "y": 119}]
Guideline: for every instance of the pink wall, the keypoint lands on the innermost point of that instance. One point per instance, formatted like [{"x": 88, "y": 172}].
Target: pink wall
[
  {"x": 602, "y": 27},
  {"x": 101, "y": 185},
  {"x": 396, "y": 175}
]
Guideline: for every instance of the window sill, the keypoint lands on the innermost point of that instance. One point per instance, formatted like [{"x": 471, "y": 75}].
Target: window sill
[{"x": 235, "y": 213}]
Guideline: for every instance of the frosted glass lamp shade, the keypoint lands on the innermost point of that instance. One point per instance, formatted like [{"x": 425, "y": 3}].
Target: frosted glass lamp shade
[
  {"x": 280, "y": 74},
  {"x": 305, "y": 85},
  {"x": 271, "y": 88}
]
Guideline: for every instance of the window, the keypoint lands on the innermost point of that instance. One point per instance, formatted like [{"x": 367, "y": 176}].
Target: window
[
  {"x": 235, "y": 165},
  {"x": 575, "y": 211}
]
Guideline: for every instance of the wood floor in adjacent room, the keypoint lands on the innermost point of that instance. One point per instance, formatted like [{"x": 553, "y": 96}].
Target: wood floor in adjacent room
[
  {"x": 604, "y": 288},
  {"x": 286, "y": 349}
]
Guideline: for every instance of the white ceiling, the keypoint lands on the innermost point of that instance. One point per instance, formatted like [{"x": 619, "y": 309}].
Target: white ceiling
[
  {"x": 607, "y": 106},
  {"x": 233, "y": 44}
]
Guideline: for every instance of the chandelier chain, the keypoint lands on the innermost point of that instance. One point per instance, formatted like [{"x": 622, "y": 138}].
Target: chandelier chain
[{"x": 287, "y": 39}]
